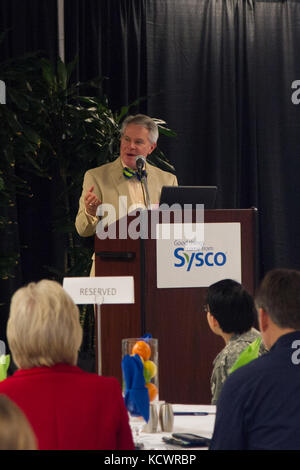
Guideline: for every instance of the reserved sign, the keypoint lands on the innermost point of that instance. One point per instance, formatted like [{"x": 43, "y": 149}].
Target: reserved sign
[{"x": 100, "y": 290}]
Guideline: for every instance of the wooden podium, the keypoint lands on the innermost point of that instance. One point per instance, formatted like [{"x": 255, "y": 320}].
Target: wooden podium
[{"x": 175, "y": 317}]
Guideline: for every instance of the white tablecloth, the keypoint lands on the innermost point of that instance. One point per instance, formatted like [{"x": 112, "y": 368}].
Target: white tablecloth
[{"x": 201, "y": 425}]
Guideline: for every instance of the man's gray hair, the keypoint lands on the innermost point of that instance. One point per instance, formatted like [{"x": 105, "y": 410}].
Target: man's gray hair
[
  {"x": 279, "y": 295},
  {"x": 144, "y": 121}
]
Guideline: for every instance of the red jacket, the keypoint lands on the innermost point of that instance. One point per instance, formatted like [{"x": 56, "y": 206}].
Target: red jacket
[{"x": 71, "y": 409}]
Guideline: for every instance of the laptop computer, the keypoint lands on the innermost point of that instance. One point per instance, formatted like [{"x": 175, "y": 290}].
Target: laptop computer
[{"x": 189, "y": 195}]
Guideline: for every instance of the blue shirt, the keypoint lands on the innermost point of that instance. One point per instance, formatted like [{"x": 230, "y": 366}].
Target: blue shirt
[{"x": 259, "y": 406}]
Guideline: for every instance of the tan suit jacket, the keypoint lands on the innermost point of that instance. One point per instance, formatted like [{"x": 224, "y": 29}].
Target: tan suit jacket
[{"x": 109, "y": 183}]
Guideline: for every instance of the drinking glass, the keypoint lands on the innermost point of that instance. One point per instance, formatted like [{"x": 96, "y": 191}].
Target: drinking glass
[
  {"x": 137, "y": 424},
  {"x": 147, "y": 350}
]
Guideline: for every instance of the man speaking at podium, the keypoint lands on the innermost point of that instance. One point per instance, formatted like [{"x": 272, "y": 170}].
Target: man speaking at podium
[{"x": 141, "y": 186}]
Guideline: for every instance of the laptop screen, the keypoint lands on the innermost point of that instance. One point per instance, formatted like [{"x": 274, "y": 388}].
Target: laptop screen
[{"x": 189, "y": 195}]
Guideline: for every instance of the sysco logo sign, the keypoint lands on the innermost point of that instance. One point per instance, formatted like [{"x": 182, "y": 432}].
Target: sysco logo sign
[{"x": 198, "y": 259}]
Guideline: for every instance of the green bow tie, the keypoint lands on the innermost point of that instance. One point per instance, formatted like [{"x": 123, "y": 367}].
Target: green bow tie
[{"x": 129, "y": 173}]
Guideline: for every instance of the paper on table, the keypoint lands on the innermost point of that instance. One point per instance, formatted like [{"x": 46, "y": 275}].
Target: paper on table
[{"x": 211, "y": 409}]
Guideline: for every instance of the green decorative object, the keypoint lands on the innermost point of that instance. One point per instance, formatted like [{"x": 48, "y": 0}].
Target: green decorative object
[
  {"x": 247, "y": 355},
  {"x": 4, "y": 365}
]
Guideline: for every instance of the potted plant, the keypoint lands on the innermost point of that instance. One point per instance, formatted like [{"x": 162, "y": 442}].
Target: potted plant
[{"x": 53, "y": 131}]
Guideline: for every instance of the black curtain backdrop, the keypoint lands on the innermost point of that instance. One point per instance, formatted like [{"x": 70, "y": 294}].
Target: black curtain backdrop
[
  {"x": 30, "y": 26},
  {"x": 277, "y": 35},
  {"x": 201, "y": 57},
  {"x": 220, "y": 72},
  {"x": 109, "y": 39},
  {"x": 225, "y": 69}
]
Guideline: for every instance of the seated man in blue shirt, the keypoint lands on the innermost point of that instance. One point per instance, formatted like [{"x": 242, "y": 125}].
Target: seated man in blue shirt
[{"x": 259, "y": 403}]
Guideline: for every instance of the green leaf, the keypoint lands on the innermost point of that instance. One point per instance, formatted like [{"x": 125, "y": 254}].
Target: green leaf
[
  {"x": 18, "y": 99},
  {"x": 31, "y": 135},
  {"x": 158, "y": 159},
  {"x": 250, "y": 353},
  {"x": 88, "y": 100},
  {"x": 58, "y": 129},
  {"x": 70, "y": 67},
  {"x": 35, "y": 164},
  {"x": 166, "y": 131},
  {"x": 125, "y": 109},
  {"x": 48, "y": 73}
]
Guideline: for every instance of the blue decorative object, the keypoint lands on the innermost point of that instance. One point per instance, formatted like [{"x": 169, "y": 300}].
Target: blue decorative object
[{"x": 136, "y": 394}]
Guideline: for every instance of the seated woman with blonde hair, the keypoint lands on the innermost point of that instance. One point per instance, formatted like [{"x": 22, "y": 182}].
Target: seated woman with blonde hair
[{"x": 66, "y": 407}]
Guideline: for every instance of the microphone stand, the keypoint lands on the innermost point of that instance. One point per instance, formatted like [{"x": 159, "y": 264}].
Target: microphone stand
[
  {"x": 140, "y": 162},
  {"x": 144, "y": 181}
]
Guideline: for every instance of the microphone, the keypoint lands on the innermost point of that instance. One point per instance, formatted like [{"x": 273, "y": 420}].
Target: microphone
[{"x": 140, "y": 162}]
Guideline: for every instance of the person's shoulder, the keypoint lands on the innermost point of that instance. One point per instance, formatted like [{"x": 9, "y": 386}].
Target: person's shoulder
[
  {"x": 106, "y": 167},
  {"x": 109, "y": 386},
  {"x": 100, "y": 380},
  {"x": 241, "y": 341},
  {"x": 155, "y": 169},
  {"x": 244, "y": 381},
  {"x": 235, "y": 346},
  {"x": 229, "y": 354},
  {"x": 57, "y": 374},
  {"x": 220, "y": 359},
  {"x": 6, "y": 383},
  {"x": 253, "y": 334},
  {"x": 162, "y": 174},
  {"x": 250, "y": 335},
  {"x": 251, "y": 371}
]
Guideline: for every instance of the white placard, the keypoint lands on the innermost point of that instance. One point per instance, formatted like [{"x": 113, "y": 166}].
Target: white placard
[
  {"x": 179, "y": 264},
  {"x": 100, "y": 290}
]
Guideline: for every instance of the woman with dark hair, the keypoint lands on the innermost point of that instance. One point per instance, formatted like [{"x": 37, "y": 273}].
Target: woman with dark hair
[{"x": 230, "y": 314}]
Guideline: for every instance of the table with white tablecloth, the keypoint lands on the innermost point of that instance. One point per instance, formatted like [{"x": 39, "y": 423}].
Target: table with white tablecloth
[{"x": 202, "y": 425}]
